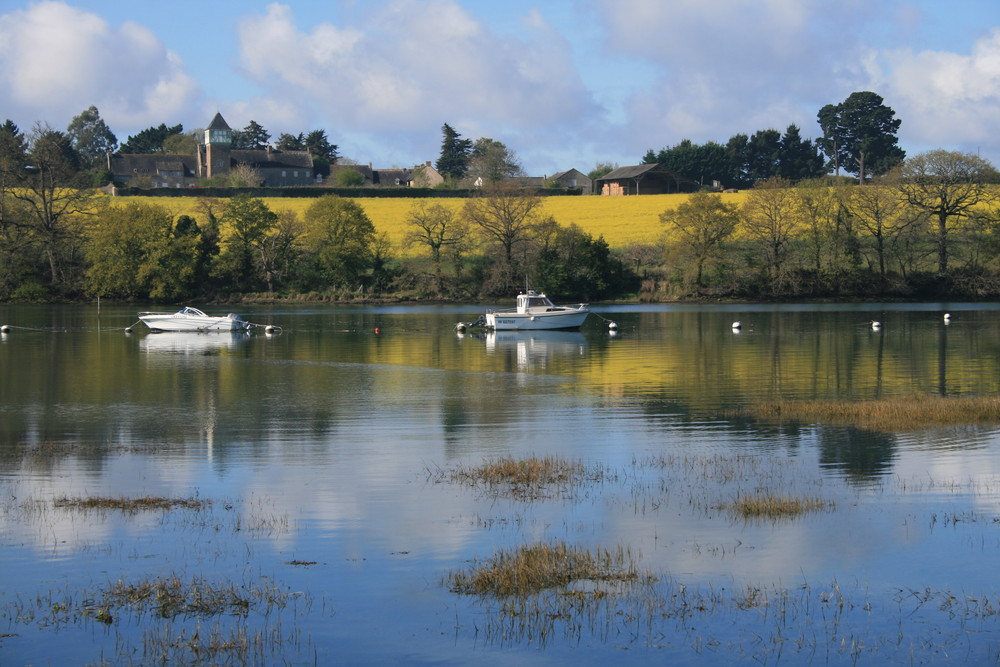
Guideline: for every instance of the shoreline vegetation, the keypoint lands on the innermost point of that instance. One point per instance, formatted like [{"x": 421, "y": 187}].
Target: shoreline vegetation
[{"x": 905, "y": 413}]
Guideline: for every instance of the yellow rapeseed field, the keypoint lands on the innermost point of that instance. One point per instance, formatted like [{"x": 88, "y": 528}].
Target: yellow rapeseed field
[{"x": 622, "y": 221}]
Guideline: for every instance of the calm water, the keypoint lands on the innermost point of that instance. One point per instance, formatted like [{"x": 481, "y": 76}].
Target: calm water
[{"x": 325, "y": 456}]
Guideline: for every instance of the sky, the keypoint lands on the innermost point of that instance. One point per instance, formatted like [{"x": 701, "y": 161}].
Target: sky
[{"x": 564, "y": 84}]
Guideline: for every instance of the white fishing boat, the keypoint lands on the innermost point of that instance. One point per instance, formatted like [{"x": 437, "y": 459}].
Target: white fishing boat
[
  {"x": 192, "y": 319},
  {"x": 534, "y": 312}
]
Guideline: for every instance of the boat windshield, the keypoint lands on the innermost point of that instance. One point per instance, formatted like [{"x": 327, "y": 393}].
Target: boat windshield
[{"x": 188, "y": 310}]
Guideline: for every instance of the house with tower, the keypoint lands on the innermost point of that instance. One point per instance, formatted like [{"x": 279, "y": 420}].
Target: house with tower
[{"x": 215, "y": 157}]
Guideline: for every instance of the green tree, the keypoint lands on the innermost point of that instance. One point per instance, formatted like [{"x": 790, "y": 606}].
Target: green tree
[
  {"x": 133, "y": 252},
  {"x": 763, "y": 155},
  {"x": 950, "y": 187},
  {"x": 799, "y": 159},
  {"x": 572, "y": 263},
  {"x": 701, "y": 225},
  {"x": 859, "y": 135},
  {"x": 492, "y": 161},
  {"x": 738, "y": 155},
  {"x": 453, "y": 162},
  {"x": 438, "y": 228},
  {"x": 703, "y": 163},
  {"x": 290, "y": 142},
  {"x": 320, "y": 148},
  {"x": 151, "y": 139},
  {"x": 91, "y": 138},
  {"x": 248, "y": 250},
  {"x": 601, "y": 169},
  {"x": 253, "y": 137},
  {"x": 349, "y": 178},
  {"x": 181, "y": 144},
  {"x": 343, "y": 240}
]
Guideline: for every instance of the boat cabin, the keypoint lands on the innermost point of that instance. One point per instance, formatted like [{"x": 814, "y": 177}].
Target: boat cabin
[{"x": 533, "y": 301}]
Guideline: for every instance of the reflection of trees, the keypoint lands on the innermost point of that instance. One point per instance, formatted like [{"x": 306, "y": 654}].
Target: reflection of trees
[{"x": 860, "y": 455}]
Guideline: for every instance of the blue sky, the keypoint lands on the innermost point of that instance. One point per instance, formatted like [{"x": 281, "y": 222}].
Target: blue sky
[{"x": 564, "y": 84}]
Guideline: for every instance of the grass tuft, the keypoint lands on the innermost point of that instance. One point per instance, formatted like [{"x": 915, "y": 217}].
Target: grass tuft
[
  {"x": 131, "y": 504},
  {"x": 770, "y": 506},
  {"x": 533, "y": 568}
]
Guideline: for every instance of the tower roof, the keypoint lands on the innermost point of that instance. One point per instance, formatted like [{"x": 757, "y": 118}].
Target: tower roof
[{"x": 218, "y": 123}]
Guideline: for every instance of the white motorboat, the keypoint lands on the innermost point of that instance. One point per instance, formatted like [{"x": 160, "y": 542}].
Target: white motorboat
[
  {"x": 535, "y": 312},
  {"x": 192, "y": 319}
]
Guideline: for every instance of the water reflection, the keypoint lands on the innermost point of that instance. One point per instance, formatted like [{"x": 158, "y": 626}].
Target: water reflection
[
  {"x": 534, "y": 350},
  {"x": 191, "y": 342},
  {"x": 316, "y": 444}
]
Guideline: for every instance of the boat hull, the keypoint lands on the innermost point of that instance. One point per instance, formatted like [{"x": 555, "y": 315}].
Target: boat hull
[
  {"x": 570, "y": 318},
  {"x": 191, "y": 319}
]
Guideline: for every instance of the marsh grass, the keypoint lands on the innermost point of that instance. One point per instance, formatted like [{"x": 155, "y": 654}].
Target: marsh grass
[
  {"x": 889, "y": 414},
  {"x": 766, "y": 505},
  {"x": 170, "y": 596},
  {"x": 525, "y": 479},
  {"x": 145, "y": 503},
  {"x": 533, "y": 568}
]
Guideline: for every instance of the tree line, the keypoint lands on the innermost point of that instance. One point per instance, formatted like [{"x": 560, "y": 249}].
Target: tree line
[
  {"x": 910, "y": 227},
  {"x": 859, "y": 137},
  {"x": 60, "y": 240},
  {"x": 926, "y": 229}
]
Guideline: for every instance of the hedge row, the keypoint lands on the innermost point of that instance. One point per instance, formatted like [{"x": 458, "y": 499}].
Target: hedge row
[{"x": 318, "y": 191}]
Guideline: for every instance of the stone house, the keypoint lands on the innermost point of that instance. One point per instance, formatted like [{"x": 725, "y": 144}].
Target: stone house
[
  {"x": 215, "y": 157},
  {"x": 573, "y": 178}
]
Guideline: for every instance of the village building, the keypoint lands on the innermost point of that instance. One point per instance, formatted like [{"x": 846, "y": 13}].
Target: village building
[
  {"x": 421, "y": 176},
  {"x": 215, "y": 157},
  {"x": 573, "y": 178},
  {"x": 644, "y": 179}
]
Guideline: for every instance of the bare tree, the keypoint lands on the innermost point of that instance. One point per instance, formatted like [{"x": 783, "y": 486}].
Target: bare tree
[
  {"x": 950, "y": 186},
  {"x": 771, "y": 214},
  {"x": 505, "y": 214},
  {"x": 438, "y": 228},
  {"x": 880, "y": 212}
]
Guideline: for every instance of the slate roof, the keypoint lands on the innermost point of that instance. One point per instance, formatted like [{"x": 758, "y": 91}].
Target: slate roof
[
  {"x": 272, "y": 159},
  {"x": 218, "y": 123}
]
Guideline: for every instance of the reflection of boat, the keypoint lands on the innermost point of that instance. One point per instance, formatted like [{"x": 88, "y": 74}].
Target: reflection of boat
[
  {"x": 537, "y": 347},
  {"x": 535, "y": 312},
  {"x": 188, "y": 343},
  {"x": 192, "y": 319}
]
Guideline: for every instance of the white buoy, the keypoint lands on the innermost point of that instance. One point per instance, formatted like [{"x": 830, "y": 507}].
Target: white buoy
[
  {"x": 876, "y": 325},
  {"x": 737, "y": 325},
  {"x": 270, "y": 328},
  {"x": 5, "y": 328},
  {"x": 460, "y": 327},
  {"x": 947, "y": 318},
  {"x": 613, "y": 326}
]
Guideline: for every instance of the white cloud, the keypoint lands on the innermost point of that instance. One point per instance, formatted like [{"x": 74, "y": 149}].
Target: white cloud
[
  {"x": 947, "y": 100},
  {"x": 746, "y": 65},
  {"x": 56, "y": 60},
  {"x": 410, "y": 67}
]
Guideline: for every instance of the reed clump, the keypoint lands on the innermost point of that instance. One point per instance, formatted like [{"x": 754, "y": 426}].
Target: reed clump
[
  {"x": 524, "y": 479},
  {"x": 534, "y": 568},
  {"x": 887, "y": 414},
  {"x": 772, "y": 506},
  {"x": 123, "y": 504}
]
